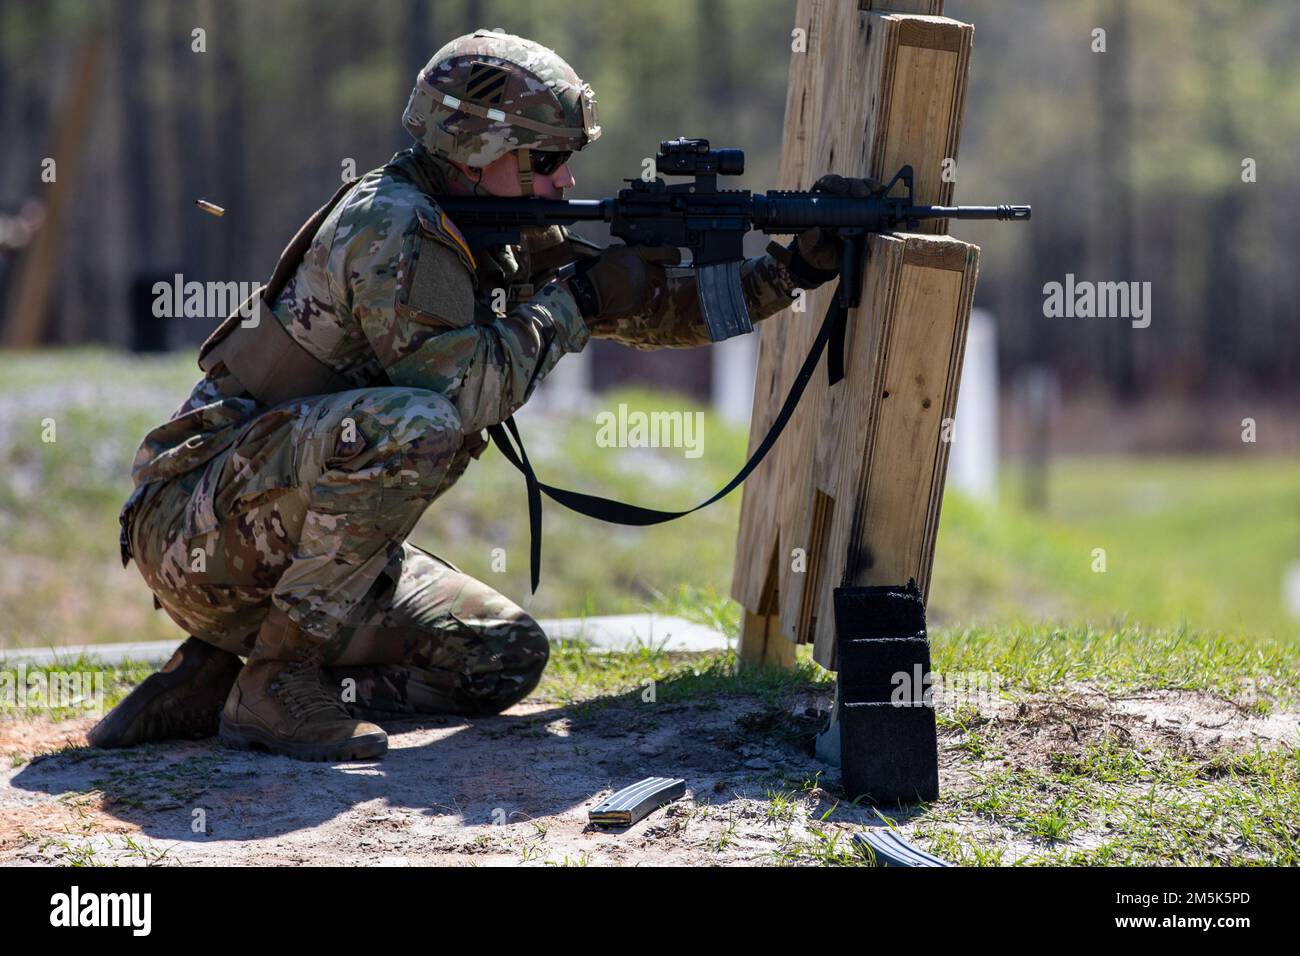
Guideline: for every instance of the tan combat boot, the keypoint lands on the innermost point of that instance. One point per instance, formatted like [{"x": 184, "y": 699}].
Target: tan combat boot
[
  {"x": 280, "y": 703},
  {"x": 182, "y": 701}
]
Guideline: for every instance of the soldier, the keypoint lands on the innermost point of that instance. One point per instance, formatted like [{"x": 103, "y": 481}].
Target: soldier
[{"x": 270, "y": 514}]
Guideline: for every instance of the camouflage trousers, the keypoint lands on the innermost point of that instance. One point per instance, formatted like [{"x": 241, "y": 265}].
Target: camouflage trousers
[{"x": 308, "y": 510}]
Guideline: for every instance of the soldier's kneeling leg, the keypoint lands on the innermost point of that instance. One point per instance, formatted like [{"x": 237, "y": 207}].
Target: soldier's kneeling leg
[
  {"x": 305, "y": 510},
  {"x": 375, "y": 459},
  {"x": 441, "y": 642}
]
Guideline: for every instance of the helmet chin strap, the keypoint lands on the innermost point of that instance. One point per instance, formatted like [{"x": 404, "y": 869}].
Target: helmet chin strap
[{"x": 525, "y": 159}]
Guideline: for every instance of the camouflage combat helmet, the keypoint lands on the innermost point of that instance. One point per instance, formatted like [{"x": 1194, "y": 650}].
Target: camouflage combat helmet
[{"x": 488, "y": 93}]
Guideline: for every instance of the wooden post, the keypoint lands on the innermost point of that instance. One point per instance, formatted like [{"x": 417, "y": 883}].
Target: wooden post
[
  {"x": 890, "y": 444},
  {"x": 761, "y": 643},
  {"x": 851, "y": 494},
  {"x": 31, "y": 296}
]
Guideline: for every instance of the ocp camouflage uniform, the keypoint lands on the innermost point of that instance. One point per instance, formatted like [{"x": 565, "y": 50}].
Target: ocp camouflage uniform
[{"x": 307, "y": 504}]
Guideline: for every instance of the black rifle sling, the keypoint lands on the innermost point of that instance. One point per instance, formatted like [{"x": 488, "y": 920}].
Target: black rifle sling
[
  {"x": 621, "y": 512},
  {"x": 835, "y": 357}
]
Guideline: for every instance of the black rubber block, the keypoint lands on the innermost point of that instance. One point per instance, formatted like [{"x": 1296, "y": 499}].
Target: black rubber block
[
  {"x": 884, "y": 670},
  {"x": 889, "y": 754},
  {"x": 889, "y": 611}
]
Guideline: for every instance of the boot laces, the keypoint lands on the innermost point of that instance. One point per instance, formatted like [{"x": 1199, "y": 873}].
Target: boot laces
[{"x": 306, "y": 696}]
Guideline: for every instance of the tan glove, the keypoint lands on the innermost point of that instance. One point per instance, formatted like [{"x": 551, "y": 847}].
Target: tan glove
[{"x": 622, "y": 280}]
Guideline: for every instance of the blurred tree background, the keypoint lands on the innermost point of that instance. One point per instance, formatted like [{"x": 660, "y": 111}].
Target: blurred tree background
[{"x": 1132, "y": 157}]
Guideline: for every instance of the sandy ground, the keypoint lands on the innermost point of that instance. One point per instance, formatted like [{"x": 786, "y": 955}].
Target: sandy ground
[
  {"x": 515, "y": 789},
  {"x": 502, "y": 790}
]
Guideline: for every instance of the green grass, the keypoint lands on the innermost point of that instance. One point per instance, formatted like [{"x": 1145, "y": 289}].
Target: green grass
[
  {"x": 117, "y": 681},
  {"x": 1200, "y": 542},
  {"x": 1041, "y": 659},
  {"x": 1119, "y": 805},
  {"x": 577, "y": 674}
]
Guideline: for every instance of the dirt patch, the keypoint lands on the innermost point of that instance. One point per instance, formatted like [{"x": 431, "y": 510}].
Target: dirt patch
[
  {"x": 1205, "y": 722},
  {"x": 515, "y": 789},
  {"x": 1194, "y": 725},
  {"x": 20, "y": 739},
  {"x": 508, "y": 789}
]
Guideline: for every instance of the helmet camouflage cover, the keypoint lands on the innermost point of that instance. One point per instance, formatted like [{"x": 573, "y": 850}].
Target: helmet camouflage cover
[{"x": 487, "y": 93}]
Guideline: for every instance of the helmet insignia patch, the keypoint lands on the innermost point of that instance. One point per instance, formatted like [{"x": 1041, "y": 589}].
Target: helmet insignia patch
[{"x": 486, "y": 84}]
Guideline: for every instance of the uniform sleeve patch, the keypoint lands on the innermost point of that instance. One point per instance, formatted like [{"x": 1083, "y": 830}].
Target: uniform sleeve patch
[
  {"x": 439, "y": 286},
  {"x": 438, "y": 226}
]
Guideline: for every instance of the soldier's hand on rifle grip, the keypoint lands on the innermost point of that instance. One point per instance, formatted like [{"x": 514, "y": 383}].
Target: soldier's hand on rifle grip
[
  {"x": 622, "y": 280},
  {"x": 814, "y": 256}
]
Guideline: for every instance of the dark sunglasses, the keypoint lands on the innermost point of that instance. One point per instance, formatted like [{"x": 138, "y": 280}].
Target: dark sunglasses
[{"x": 548, "y": 162}]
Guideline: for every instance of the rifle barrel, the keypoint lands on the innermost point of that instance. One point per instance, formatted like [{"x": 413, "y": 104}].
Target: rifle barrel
[
  {"x": 785, "y": 212},
  {"x": 1002, "y": 213},
  {"x": 777, "y": 211}
]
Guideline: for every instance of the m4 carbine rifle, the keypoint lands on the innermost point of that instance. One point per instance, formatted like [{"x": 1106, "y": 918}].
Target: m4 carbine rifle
[{"x": 712, "y": 223}]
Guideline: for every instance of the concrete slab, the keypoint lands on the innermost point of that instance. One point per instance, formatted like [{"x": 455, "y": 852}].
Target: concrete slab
[
  {"x": 629, "y": 632},
  {"x": 612, "y": 632}
]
